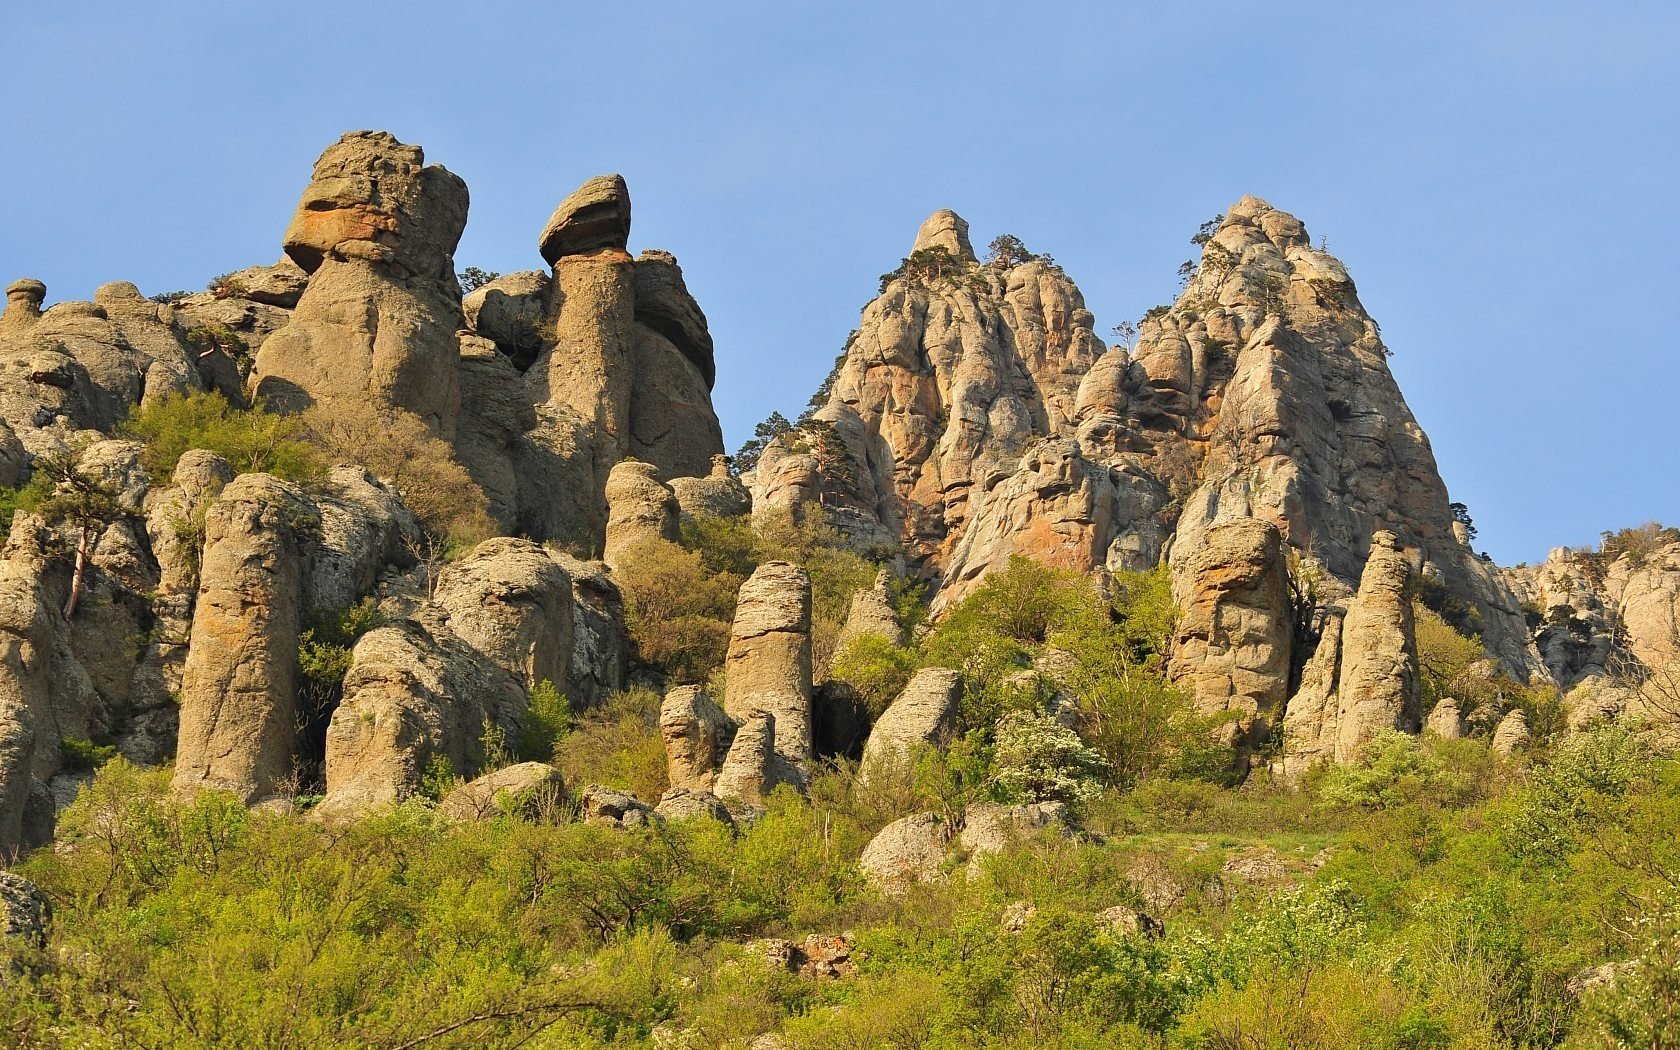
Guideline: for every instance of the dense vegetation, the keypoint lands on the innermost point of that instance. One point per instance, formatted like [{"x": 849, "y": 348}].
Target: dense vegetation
[{"x": 1433, "y": 895}]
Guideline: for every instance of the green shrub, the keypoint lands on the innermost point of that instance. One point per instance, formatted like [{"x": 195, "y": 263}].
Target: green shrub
[
  {"x": 1038, "y": 759},
  {"x": 1392, "y": 768},
  {"x": 547, "y": 721},
  {"x": 875, "y": 668},
  {"x": 617, "y": 744},
  {"x": 251, "y": 440},
  {"x": 81, "y": 754}
]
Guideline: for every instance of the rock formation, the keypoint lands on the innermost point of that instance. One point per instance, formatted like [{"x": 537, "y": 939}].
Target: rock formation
[
  {"x": 1234, "y": 641},
  {"x": 872, "y": 613},
  {"x": 639, "y": 509},
  {"x": 697, "y": 735},
  {"x": 924, "y": 715},
  {"x": 769, "y": 662},
  {"x": 376, "y": 232},
  {"x": 1363, "y": 675}
]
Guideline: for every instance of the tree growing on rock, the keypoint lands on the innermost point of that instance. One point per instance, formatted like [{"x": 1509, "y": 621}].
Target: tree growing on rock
[{"x": 86, "y": 504}]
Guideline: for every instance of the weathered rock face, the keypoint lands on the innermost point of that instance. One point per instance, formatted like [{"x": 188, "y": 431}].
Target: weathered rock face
[
  {"x": 513, "y": 603},
  {"x": 925, "y": 714},
  {"x": 1446, "y": 719},
  {"x": 595, "y": 216},
  {"x": 1363, "y": 676},
  {"x": 376, "y": 232},
  {"x": 1609, "y": 627},
  {"x": 26, "y": 645},
  {"x": 769, "y": 661},
  {"x": 272, "y": 556},
  {"x": 976, "y": 415},
  {"x": 639, "y": 509},
  {"x": 719, "y": 494},
  {"x": 25, "y": 912},
  {"x": 1234, "y": 642},
  {"x": 1512, "y": 734},
  {"x": 872, "y": 614},
  {"x": 82, "y": 366},
  {"x": 523, "y": 786},
  {"x": 415, "y": 691},
  {"x": 239, "y": 692}
]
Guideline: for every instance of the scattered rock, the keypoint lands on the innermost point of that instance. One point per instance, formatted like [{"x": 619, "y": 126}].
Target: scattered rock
[
  {"x": 697, "y": 735},
  {"x": 1130, "y": 922},
  {"x": 25, "y": 912},
  {"x": 525, "y": 787},
  {"x": 769, "y": 660},
  {"x": 679, "y": 804},
  {"x": 598, "y": 804}
]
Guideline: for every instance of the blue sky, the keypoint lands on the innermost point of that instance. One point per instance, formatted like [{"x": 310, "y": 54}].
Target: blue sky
[{"x": 1497, "y": 176}]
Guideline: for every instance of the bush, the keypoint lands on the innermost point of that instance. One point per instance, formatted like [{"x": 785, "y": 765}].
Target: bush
[
  {"x": 547, "y": 720},
  {"x": 617, "y": 744},
  {"x": 252, "y": 440},
  {"x": 397, "y": 446},
  {"x": 875, "y": 668},
  {"x": 678, "y": 612},
  {"x": 1037, "y": 759},
  {"x": 1392, "y": 769}
]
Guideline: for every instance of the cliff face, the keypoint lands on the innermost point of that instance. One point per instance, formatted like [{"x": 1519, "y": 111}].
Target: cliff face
[{"x": 976, "y": 415}]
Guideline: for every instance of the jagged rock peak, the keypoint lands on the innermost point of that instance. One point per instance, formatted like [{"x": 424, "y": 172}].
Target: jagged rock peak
[
  {"x": 948, "y": 230},
  {"x": 595, "y": 216}
]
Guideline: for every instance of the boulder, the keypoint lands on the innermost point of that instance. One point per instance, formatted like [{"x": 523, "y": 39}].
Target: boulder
[
  {"x": 526, "y": 786},
  {"x": 909, "y": 850},
  {"x": 1512, "y": 734},
  {"x": 697, "y": 735},
  {"x": 596, "y": 215},
  {"x": 1129, "y": 922},
  {"x": 512, "y": 602},
  {"x": 923, "y": 715},
  {"x": 598, "y": 804},
  {"x": 990, "y": 827},
  {"x": 639, "y": 509},
  {"x": 872, "y": 613},
  {"x": 512, "y": 311},
  {"x": 680, "y": 804},
  {"x": 25, "y": 912},
  {"x": 1446, "y": 719}
]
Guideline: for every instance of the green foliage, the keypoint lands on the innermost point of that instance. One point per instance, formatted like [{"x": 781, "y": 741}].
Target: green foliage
[
  {"x": 617, "y": 743},
  {"x": 1205, "y": 232},
  {"x": 1392, "y": 769},
  {"x": 169, "y": 298},
  {"x": 225, "y": 286},
  {"x": 1038, "y": 759},
  {"x": 875, "y": 668},
  {"x": 1640, "y": 1007},
  {"x": 472, "y": 279},
  {"x": 746, "y": 457},
  {"x": 251, "y": 440},
  {"x": 79, "y": 754},
  {"x": 25, "y": 497},
  {"x": 1006, "y": 249},
  {"x": 677, "y": 610},
  {"x": 1465, "y": 618},
  {"x": 924, "y": 266},
  {"x": 547, "y": 720}
]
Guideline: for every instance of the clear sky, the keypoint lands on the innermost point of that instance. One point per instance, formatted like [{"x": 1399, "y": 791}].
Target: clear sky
[{"x": 1497, "y": 175}]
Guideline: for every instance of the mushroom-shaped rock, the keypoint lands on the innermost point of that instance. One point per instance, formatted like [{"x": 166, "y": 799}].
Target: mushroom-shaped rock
[
  {"x": 719, "y": 494},
  {"x": 595, "y": 216},
  {"x": 947, "y": 230},
  {"x": 523, "y": 787},
  {"x": 23, "y": 302}
]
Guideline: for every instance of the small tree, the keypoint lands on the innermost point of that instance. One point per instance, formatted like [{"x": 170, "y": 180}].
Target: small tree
[
  {"x": 1006, "y": 249},
  {"x": 1125, "y": 333},
  {"x": 473, "y": 278},
  {"x": 1461, "y": 514},
  {"x": 86, "y": 504}
]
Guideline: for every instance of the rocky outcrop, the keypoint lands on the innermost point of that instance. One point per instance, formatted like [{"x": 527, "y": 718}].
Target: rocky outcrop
[
  {"x": 679, "y": 804},
  {"x": 752, "y": 767},
  {"x": 768, "y": 666},
  {"x": 872, "y": 614},
  {"x": 924, "y": 715},
  {"x": 909, "y": 850},
  {"x": 921, "y": 847},
  {"x": 697, "y": 735},
  {"x": 719, "y": 494},
  {"x": 25, "y": 912},
  {"x": 1511, "y": 735},
  {"x": 376, "y": 232},
  {"x": 512, "y": 602},
  {"x": 1446, "y": 719},
  {"x": 598, "y": 804},
  {"x": 639, "y": 509},
  {"x": 975, "y": 415},
  {"x": 239, "y": 690},
  {"x": 1233, "y": 646},
  {"x": 1363, "y": 675}
]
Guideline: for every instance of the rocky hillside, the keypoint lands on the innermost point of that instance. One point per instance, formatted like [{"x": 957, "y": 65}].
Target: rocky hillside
[{"x": 333, "y": 531}]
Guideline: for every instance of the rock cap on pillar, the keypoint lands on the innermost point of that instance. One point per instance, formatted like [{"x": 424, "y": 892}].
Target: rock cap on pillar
[{"x": 595, "y": 216}]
